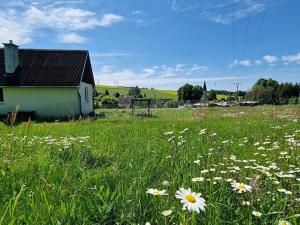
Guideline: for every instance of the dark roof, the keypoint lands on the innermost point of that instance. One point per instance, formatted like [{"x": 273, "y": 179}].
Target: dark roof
[{"x": 55, "y": 68}]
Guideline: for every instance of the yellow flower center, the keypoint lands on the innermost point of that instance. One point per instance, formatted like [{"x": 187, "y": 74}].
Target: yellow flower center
[
  {"x": 242, "y": 187},
  {"x": 156, "y": 193},
  {"x": 284, "y": 223},
  {"x": 190, "y": 198}
]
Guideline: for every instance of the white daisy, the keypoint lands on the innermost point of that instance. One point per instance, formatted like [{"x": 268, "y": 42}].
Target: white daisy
[
  {"x": 284, "y": 222},
  {"x": 256, "y": 214},
  {"x": 156, "y": 192},
  {"x": 245, "y": 203},
  {"x": 167, "y": 212},
  {"x": 197, "y": 161},
  {"x": 191, "y": 201},
  {"x": 198, "y": 179},
  {"x": 240, "y": 187}
]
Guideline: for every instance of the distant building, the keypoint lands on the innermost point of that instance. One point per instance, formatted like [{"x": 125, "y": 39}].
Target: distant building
[{"x": 49, "y": 83}]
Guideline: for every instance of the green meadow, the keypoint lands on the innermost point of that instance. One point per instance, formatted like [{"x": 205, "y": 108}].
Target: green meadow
[
  {"x": 101, "y": 171},
  {"x": 150, "y": 93}
]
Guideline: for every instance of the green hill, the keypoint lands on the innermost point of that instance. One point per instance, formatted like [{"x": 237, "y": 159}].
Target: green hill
[{"x": 150, "y": 93}]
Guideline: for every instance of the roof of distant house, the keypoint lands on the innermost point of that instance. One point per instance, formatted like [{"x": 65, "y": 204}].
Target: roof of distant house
[{"x": 49, "y": 68}]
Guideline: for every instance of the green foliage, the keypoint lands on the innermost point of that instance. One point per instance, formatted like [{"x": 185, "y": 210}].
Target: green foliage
[
  {"x": 106, "y": 92},
  {"x": 117, "y": 94},
  {"x": 190, "y": 92},
  {"x": 109, "y": 101},
  {"x": 212, "y": 95},
  {"x": 98, "y": 171},
  {"x": 135, "y": 92},
  {"x": 271, "y": 92}
]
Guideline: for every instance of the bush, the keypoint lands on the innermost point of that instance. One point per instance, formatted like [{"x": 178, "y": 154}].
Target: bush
[
  {"x": 293, "y": 101},
  {"x": 109, "y": 102}
]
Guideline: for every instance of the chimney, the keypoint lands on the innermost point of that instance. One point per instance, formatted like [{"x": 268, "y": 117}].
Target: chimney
[{"x": 11, "y": 57}]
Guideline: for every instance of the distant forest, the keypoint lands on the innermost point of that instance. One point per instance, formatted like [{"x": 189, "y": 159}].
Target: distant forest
[{"x": 265, "y": 91}]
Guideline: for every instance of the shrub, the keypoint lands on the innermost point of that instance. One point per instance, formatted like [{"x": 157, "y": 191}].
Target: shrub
[{"x": 109, "y": 102}]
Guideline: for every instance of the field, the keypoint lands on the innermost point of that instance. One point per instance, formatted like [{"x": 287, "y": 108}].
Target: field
[
  {"x": 150, "y": 93},
  {"x": 244, "y": 161}
]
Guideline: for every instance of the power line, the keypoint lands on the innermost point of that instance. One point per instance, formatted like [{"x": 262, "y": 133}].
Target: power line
[
  {"x": 260, "y": 27},
  {"x": 247, "y": 29},
  {"x": 233, "y": 28}
]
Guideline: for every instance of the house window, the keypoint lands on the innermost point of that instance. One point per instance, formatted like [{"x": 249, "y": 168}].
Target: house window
[
  {"x": 1, "y": 95},
  {"x": 86, "y": 94}
]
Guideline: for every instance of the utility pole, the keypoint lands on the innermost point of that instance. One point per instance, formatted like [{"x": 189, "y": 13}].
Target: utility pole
[{"x": 237, "y": 84}]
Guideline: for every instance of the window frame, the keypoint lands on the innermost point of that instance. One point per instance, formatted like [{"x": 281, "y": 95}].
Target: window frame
[
  {"x": 1, "y": 95},
  {"x": 86, "y": 94}
]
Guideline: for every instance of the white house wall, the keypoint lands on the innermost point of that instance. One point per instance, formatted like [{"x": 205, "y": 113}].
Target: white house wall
[
  {"x": 46, "y": 102},
  {"x": 86, "y": 104}
]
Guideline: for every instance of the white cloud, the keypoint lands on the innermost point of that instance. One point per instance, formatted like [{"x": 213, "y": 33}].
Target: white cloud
[
  {"x": 109, "y": 19},
  {"x": 71, "y": 38},
  {"x": 291, "y": 58},
  {"x": 23, "y": 25},
  {"x": 270, "y": 59},
  {"x": 156, "y": 75},
  {"x": 218, "y": 12},
  {"x": 245, "y": 62},
  {"x": 12, "y": 29}
]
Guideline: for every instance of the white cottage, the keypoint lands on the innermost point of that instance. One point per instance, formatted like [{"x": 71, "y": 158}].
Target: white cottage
[{"x": 48, "y": 83}]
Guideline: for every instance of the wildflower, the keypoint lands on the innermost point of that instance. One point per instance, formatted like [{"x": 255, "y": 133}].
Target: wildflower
[
  {"x": 256, "y": 214},
  {"x": 191, "y": 200},
  {"x": 284, "y": 222},
  {"x": 197, "y": 161},
  {"x": 148, "y": 223},
  {"x": 167, "y": 212},
  {"x": 240, "y": 187},
  {"x": 245, "y": 203},
  {"x": 198, "y": 179},
  {"x": 166, "y": 183},
  {"x": 284, "y": 191},
  {"x": 156, "y": 192}
]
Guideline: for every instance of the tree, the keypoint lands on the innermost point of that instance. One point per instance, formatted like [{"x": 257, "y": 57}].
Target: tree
[
  {"x": 185, "y": 92},
  {"x": 117, "y": 95},
  {"x": 135, "y": 92},
  {"x": 197, "y": 93},
  {"x": 266, "y": 91},
  {"x": 212, "y": 95},
  {"x": 106, "y": 92}
]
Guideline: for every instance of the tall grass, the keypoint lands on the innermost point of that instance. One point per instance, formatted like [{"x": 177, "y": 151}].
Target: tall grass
[{"x": 98, "y": 171}]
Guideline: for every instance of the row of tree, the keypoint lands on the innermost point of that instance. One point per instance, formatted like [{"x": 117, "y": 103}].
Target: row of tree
[
  {"x": 269, "y": 91},
  {"x": 266, "y": 91}
]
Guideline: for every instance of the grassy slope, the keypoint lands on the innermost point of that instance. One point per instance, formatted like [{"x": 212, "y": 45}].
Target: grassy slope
[
  {"x": 150, "y": 93},
  {"x": 103, "y": 179}
]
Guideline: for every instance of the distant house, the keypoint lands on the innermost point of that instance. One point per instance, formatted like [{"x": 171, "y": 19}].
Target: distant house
[{"x": 49, "y": 83}]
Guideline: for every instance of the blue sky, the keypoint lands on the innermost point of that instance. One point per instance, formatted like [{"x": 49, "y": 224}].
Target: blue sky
[{"x": 166, "y": 43}]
